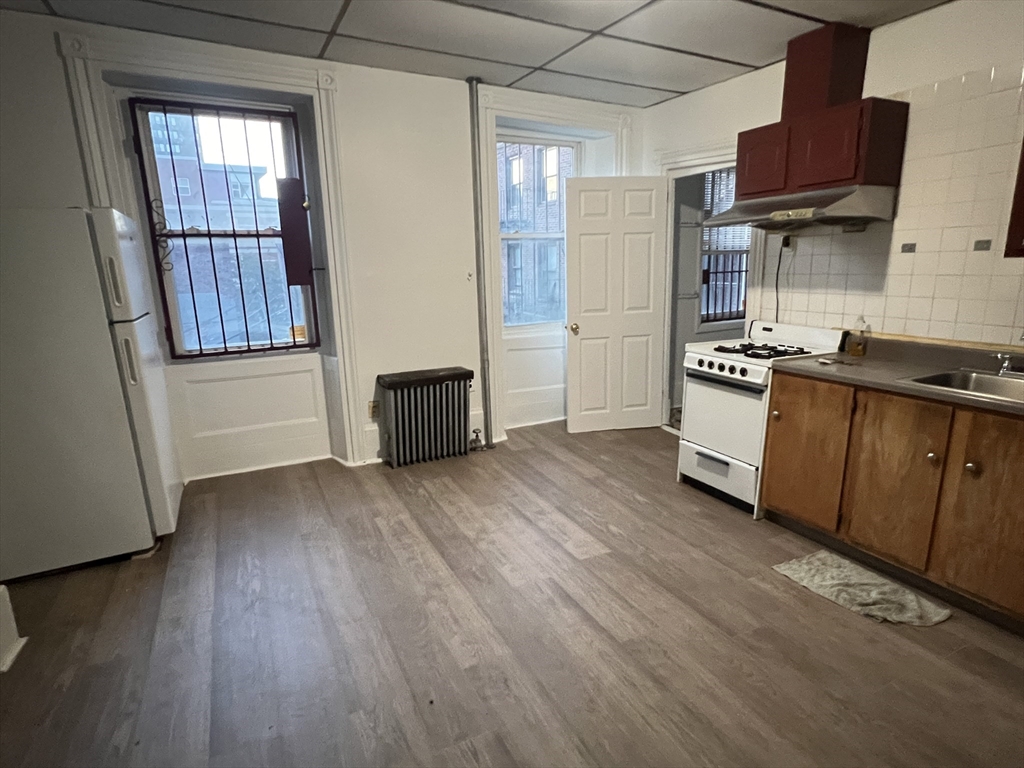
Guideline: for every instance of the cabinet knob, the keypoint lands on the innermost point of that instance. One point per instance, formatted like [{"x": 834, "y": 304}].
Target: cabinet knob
[
  {"x": 933, "y": 458},
  {"x": 973, "y": 468},
  {"x": 775, "y": 415}
]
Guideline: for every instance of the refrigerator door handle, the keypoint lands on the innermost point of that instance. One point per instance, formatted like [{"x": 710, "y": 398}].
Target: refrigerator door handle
[
  {"x": 129, "y": 361},
  {"x": 116, "y": 292}
]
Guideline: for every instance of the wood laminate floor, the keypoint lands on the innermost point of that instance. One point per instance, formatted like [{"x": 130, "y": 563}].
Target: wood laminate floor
[{"x": 558, "y": 601}]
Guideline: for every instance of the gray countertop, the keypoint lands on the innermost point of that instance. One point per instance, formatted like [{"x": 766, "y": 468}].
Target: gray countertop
[{"x": 890, "y": 364}]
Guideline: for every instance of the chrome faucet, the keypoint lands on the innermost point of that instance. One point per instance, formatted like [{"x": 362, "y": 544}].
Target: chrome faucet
[{"x": 1004, "y": 358}]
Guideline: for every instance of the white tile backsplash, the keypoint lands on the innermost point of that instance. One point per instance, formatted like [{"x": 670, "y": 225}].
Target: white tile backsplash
[{"x": 963, "y": 141}]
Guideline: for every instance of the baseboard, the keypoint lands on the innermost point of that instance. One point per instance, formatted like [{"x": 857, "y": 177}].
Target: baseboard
[
  {"x": 257, "y": 468},
  {"x": 673, "y": 430},
  {"x": 914, "y": 580},
  {"x": 534, "y": 423},
  {"x": 363, "y": 463}
]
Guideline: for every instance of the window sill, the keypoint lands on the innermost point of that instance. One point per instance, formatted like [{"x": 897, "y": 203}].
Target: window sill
[
  {"x": 717, "y": 326},
  {"x": 248, "y": 355}
]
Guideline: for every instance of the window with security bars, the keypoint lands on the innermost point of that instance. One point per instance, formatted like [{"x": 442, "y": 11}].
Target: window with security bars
[
  {"x": 725, "y": 252},
  {"x": 229, "y": 228},
  {"x": 531, "y": 214}
]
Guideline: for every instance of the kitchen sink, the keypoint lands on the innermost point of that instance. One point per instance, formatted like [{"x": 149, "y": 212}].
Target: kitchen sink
[{"x": 1007, "y": 387}]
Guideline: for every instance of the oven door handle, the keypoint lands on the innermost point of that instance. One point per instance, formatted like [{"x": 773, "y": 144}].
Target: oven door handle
[
  {"x": 709, "y": 457},
  {"x": 757, "y": 389}
]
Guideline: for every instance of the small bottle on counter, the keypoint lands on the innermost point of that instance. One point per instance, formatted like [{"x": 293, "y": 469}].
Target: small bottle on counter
[{"x": 857, "y": 341}]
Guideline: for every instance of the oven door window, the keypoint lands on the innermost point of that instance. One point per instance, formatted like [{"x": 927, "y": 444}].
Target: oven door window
[{"x": 723, "y": 418}]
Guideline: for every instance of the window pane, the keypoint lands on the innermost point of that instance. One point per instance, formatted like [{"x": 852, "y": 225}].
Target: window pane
[
  {"x": 533, "y": 277},
  {"x": 724, "y": 253},
  {"x": 531, "y": 186},
  {"x": 230, "y": 285},
  {"x": 228, "y": 164}
]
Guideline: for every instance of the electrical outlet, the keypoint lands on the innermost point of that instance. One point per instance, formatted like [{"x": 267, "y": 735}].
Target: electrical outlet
[{"x": 374, "y": 409}]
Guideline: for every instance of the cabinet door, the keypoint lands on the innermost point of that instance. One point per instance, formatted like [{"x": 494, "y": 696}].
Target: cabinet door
[
  {"x": 825, "y": 147},
  {"x": 761, "y": 159},
  {"x": 978, "y": 545},
  {"x": 893, "y": 475},
  {"x": 805, "y": 452}
]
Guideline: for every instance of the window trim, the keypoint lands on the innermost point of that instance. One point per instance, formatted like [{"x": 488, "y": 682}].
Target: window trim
[{"x": 146, "y": 160}]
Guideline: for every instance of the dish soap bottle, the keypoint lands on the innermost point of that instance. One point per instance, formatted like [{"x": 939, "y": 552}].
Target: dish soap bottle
[{"x": 857, "y": 342}]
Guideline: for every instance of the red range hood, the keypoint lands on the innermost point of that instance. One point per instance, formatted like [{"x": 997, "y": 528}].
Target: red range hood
[{"x": 834, "y": 157}]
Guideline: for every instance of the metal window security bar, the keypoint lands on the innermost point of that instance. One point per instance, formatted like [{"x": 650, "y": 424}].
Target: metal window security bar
[
  {"x": 425, "y": 415},
  {"x": 725, "y": 254},
  {"x": 229, "y": 226}
]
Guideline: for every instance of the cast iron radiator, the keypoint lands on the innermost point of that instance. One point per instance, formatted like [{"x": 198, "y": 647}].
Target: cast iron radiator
[{"x": 425, "y": 415}]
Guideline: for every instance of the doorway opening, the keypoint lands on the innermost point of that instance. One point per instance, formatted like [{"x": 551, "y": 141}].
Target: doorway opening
[{"x": 709, "y": 268}]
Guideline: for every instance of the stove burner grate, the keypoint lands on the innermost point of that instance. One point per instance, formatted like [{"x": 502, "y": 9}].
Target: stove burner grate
[{"x": 762, "y": 351}]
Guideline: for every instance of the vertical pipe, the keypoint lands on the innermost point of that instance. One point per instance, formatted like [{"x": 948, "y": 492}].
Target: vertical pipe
[{"x": 481, "y": 288}]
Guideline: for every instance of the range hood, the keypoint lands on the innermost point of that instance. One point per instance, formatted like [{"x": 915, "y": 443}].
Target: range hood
[
  {"x": 834, "y": 158},
  {"x": 854, "y": 207}
]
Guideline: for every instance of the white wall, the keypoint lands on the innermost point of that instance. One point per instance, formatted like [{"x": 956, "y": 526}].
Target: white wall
[
  {"x": 233, "y": 415},
  {"x": 408, "y": 207},
  {"x": 906, "y": 60},
  {"x": 40, "y": 165}
]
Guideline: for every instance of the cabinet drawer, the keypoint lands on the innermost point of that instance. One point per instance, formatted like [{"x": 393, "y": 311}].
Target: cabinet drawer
[{"x": 723, "y": 472}]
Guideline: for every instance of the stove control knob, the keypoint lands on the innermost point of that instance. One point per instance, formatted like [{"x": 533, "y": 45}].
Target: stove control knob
[
  {"x": 732, "y": 369},
  {"x": 743, "y": 371},
  {"x": 700, "y": 362},
  {"x": 721, "y": 366}
]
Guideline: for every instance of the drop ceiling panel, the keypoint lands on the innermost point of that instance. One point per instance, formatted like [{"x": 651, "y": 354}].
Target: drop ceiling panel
[
  {"x": 865, "y": 13},
  {"x": 582, "y": 14},
  {"x": 594, "y": 90},
  {"x": 185, "y": 23},
  {"x": 726, "y": 29},
  {"x": 458, "y": 29},
  {"x": 354, "y": 51},
  {"x": 311, "y": 14},
  {"x": 643, "y": 65}
]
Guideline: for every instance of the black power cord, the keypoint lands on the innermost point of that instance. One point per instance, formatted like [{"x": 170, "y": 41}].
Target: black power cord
[{"x": 778, "y": 268}]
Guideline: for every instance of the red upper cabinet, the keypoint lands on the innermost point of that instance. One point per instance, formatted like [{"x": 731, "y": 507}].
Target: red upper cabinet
[
  {"x": 828, "y": 135},
  {"x": 825, "y": 146},
  {"x": 824, "y": 68},
  {"x": 858, "y": 143},
  {"x": 761, "y": 160}
]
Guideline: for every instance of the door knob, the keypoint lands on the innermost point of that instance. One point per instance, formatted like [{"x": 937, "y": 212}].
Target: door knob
[
  {"x": 933, "y": 458},
  {"x": 575, "y": 328},
  {"x": 974, "y": 469}
]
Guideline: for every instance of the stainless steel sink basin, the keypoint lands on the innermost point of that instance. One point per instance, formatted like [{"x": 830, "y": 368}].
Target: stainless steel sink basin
[{"x": 977, "y": 383}]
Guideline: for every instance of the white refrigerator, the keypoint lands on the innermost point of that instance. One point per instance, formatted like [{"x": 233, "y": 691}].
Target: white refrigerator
[{"x": 87, "y": 463}]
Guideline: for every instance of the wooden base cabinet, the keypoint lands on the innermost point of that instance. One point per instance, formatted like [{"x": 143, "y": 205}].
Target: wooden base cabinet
[
  {"x": 922, "y": 484},
  {"x": 805, "y": 449},
  {"x": 978, "y": 544},
  {"x": 893, "y": 475}
]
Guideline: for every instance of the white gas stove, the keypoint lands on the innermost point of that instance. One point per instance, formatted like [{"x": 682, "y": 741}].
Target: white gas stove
[{"x": 725, "y": 403}]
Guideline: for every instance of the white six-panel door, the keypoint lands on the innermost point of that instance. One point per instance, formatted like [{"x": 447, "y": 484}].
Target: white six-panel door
[{"x": 615, "y": 268}]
